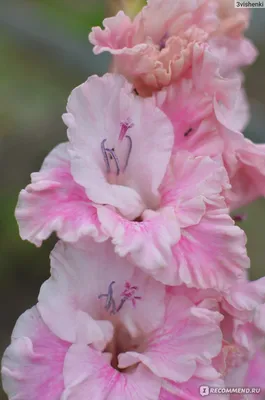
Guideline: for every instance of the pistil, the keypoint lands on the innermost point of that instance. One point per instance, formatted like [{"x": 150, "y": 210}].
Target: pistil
[{"x": 109, "y": 154}]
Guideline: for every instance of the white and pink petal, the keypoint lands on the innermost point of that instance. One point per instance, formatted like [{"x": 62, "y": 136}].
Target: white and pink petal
[
  {"x": 190, "y": 183},
  {"x": 147, "y": 242},
  {"x": 142, "y": 159},
  {"x": 54, "y": 202},
  {"x": 69, "y": 301},
  {"x": 205, "y": 377},
  {"x": 32, "y": 366},
  {"x": 212, "y": 254},
  {"x": 88, "y": 375},
  {"x": 174, "y": 349}
]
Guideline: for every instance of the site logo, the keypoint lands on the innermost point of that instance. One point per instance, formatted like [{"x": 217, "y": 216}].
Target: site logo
[{"x": 204, "y": 391}]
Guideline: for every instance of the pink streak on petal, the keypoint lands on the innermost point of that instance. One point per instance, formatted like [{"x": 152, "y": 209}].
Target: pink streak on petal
[
  {"x": 55, "y": 202},
  {"x": 32, "y": 366}
]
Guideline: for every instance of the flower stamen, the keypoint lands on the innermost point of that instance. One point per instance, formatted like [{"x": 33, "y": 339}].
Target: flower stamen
[
  {"x": 105, "y": 156},
  {"x": 115, "y": 158},
  {"x": 129, "y": 151},
  {"x": 112, "y": 156},
  {"x": 110, "y": 302}
]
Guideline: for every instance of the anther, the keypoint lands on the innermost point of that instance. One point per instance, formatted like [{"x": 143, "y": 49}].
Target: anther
[
  {"x": 129, "y": 151},
  {"x": 115, "y": 158},
  {"x": 111, "y": 153},
  {"x": 110, "y": 302},
  {"x": 105, "y": 156}
]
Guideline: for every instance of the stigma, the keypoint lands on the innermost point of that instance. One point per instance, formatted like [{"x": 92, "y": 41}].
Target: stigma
[
  {"x": 128, "y": 294},
  {"x": 125, "y": 126}
]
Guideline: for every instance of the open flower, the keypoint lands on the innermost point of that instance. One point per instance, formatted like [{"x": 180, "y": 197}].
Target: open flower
[
  {"x": 190, "y": 105},
  {"x": 241, "y": 360},
  {"x": 85, "y": 339},
  {"x": 115, "y": 157},
  {"x": 155, "y": 207},
  {"x": 208, "y": 115}
]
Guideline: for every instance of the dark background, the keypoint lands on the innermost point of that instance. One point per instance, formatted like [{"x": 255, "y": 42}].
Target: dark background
[{"x": 44, "y": 55}]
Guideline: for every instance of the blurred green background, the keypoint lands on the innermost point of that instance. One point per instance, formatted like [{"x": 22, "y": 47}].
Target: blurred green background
[{"x": 45, "y": 54}]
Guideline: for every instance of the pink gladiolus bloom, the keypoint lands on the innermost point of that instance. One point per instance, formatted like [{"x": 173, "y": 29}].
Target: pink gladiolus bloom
[
  {"x": 157, "y": 47},
  {"x": 208, "y": 115},
  {"x": 119, "y": 156},
  {"x": 75, "y": 178},
  {"x": 86, "y": 340},
  {"x": 148, "y": 297},
  {"x": 241, "y": 360},
  {"x": 244, "y": 300}
]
